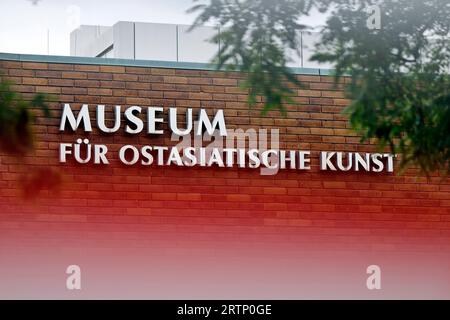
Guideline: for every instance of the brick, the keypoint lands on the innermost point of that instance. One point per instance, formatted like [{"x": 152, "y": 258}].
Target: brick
[
  {"x": 87, "y": 83},
  {"x": 333, "y": 94},
  {"x": 74, "y": 91},
  {"x": 309, "y": 93},
  {"x": 334, "y": 184},
  {"x": 85, "y": 67},
  {"x": 48, "y": 74},
  {"x": 303, "y": 78},
  {"x": 324, "y": 86},
  {"x": 238, "y": 198},
  {"x": 74, "y": 75},
  {"x": 99, "y": 76},
  {"x": 134, "y": 85},
  {"x": 35, "y": 65},
  {"x": 200, "y": 96},
  {"x": 191, "y": 73},
  {"x": 176, "y": 95},
  {"x": 48, "y": 89},
  {"x": 160, "y": 71},
  {"x": 275, "y": 191},
  {"x": 175, "y": 79},
  {"x": 99, "y": 92},
  {"x": 125, "y": 77},
  {"x": 10, "y": 64},
  {"x": 189, "y": 197},
  {"x": 61, "y": 82},
  {"x": 35, "y": 81},
  {"x": 60, "y": 66},
  {"x": 321, "y": 101},
  {"x": 21, "y": 73},
  {"x": 112, "y": 69},
  {"x": 137, "y": 101},
  {"x": 224, "y": 82},
  {"x": 201, "y": 81},
  {"x": 322, "y": 131},
  {"x": 342, "y": 102},
  {"x": 137, "y": 70},
  {"x": 224, "y": 97}
]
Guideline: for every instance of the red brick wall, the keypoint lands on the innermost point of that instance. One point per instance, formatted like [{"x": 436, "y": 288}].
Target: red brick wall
[{"x": 361, "y": 209}]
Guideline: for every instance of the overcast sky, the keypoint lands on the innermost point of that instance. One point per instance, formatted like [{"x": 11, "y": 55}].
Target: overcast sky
[{"x": 24, "y": 27}]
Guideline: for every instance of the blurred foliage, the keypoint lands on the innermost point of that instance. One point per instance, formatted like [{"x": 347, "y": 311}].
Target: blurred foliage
[
  {"x": 16, "y": 136},
  {"x": 253, "y": 41},
  {"x": 38, "y": 179},
  {"x": 399, "y": 74}
]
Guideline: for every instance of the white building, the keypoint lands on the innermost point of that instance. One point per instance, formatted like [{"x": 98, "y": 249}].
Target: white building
[{"x": 163, "y": 42}]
